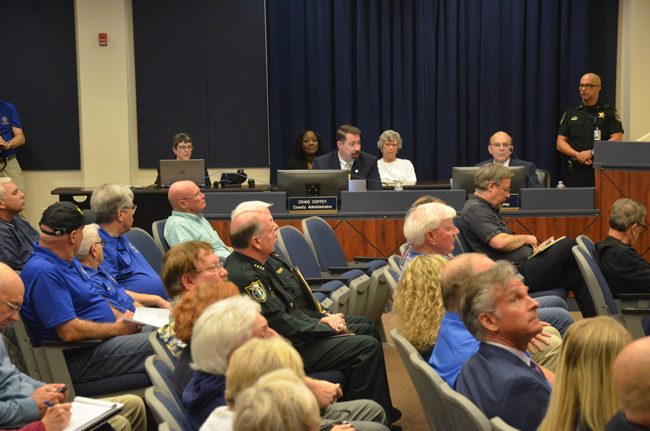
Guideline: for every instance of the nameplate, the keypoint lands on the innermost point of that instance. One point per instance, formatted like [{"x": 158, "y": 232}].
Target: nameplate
[
  {"x": 316, "y": 204},
  {"x": 512, "y": 203}
]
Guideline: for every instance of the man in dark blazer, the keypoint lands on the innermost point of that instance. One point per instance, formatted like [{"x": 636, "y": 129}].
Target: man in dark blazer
[
  {"x": 500, "y": 378},
  {"x": 501, "y": 149},
  {"x": 349, "y": 156}
]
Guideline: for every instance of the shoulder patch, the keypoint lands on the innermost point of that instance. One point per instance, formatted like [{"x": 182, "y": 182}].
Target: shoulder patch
[{"x": 256, "y": 291}]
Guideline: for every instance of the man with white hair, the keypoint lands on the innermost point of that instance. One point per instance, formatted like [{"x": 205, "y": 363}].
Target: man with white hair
[
  {"x": 429, "y": 229},
  {"x": 325, "y": 341},
  {"x": 187, "y": 222},
  {"x": 500, "y": 378},
  {"x": 91, "y": 255},
  {"x": 17, "y": 236},
  {"x": 62, "y": 305},
  {"x": 114, "y": 209},
  {"x": 225, "y": 326}
]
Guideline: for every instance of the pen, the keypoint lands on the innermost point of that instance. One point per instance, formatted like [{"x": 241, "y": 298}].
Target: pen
[{"x": 49, "y": 404}]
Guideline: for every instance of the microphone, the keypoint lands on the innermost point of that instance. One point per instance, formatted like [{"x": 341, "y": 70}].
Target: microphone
[{"x": 530, "y": 179}]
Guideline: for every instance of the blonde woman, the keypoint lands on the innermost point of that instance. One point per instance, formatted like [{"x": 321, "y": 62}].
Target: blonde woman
[
  {"x": 583, "y": 397},
  {"x": 418, "y": 307}
]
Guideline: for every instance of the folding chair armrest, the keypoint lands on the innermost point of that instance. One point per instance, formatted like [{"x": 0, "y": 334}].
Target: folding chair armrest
[
  {"x": 335, "y": 269},
  {"x": 636, "y": 311},
  {"x": 634, "y": 296},
  {"x": 322, "y": 280},
  {"x": 369, "y": 258}
]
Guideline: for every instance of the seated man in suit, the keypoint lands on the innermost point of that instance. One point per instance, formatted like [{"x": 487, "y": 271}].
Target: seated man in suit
[
  {"x": 23, "y": 399},
  {"x": 486, "y": 232},
  {"x": 624, "y": 269},
  {"x": 455, "y": 345},
  {"x": 500, "y": 378},
  {"x": 61, "y": 303},
  {"x": 293, "y": 312},
  {"x": 501, "y": 150},
  {"x": 187, "y": 222},
  {"x": 632, "y": 384},
  {"x": 349, "y": 156},
  {"x": 16, "y": 234},
  {"x": 114, "y": 209}
]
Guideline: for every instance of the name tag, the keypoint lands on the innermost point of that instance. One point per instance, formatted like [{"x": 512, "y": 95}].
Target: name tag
[{"x": 317, "y": 204}]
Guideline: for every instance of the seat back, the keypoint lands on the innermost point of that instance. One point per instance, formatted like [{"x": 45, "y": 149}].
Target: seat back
[
  {"x": 460, "y": 244},
  {"x": 324, "y": 243},
  {"x": 430, "y": 388},
  {"x": 158, "y": 229},
  {"x": 394, "y": 261},
  {"x": 544, "y": 177},
  {"x": 162, "y": 378},
  {"x": 499, "y": 424},
  {"x": 165, "y": 410},
  {"x": 161, "y": 350},
  {"x": 147, "y": 246},
  {"x": 405, "y": 350},
  {"x": 465, "y": 414},
  {"x": 280, "y": 252},
  {"x": 587, "y": 245},
  {"x": 598, "y": 288},
  {"x": 299, "y": 251}
]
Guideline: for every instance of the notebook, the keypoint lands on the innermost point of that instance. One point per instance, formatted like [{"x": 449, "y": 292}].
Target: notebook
[{"x": 178, "y": 170}]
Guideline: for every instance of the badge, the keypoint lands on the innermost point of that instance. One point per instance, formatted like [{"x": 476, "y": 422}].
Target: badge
[
  {"x": 256, "y": 291},
  {"x": 574, "y": 118},
  {"x": 601, "y": 115},
  {"x": 5, "y": 120}
]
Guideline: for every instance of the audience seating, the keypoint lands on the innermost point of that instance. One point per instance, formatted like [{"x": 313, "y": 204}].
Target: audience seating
[
  {"x": 499, "y": 425},
  {"x": 147, "y": 246},
  {"x": 405, "y": 350},
  {"x": 587, "y": 245},
  {"x": 629, "y": 309},
  {"x": 158, "y": 229},
  {"x": 46, "y": 362},
  {"x": 460, "y": 245},
  {"x": 162, "y": 378},
  {"x": 394, "y": 261},
  {"x": 165, "y": 411},
  {"x": 161, "y": 350},
  {"x": 544, "y": 177}
]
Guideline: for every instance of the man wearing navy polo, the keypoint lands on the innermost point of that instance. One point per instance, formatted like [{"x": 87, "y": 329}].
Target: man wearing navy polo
[
  {"x": 11, "y": 137},
  {"x": 60, "y": 303}
]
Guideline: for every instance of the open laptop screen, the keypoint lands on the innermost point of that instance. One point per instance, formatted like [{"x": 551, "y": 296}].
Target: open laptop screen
[{"x": 178, "y": 170}]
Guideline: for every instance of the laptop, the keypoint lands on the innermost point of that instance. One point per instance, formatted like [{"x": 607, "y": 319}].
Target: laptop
[{"x": 179, "y": 170}]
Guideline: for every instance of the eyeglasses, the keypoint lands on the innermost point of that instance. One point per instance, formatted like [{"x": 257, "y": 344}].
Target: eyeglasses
[
  {"x": 215, "y": 267},
  {"x": 642, "y": 227},
  {"x": 184, "y": 147},
  {"x": 134, "y": 207},
  {"x": 194, "y": 196},
  {"x": 588, "y": 86},
  {"x": 507, "y": 190},
  {"x": 500, "y": 145},
  {"x": 391, "y": 145},
  {"x": 102, "y": 242},
  {"x": 14, "y": 308}
]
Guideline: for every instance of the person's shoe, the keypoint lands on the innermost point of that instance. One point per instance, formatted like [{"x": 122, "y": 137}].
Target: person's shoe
[{"x": 395, "y": 415}]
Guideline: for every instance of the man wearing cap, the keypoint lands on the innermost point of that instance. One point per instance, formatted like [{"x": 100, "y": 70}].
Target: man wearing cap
[
  {"x": 60, "y": 303},
  {"x": 17, "y": 236}
]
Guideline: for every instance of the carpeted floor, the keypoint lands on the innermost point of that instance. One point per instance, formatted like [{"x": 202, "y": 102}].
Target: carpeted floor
[{"x": 402, "y": 390}]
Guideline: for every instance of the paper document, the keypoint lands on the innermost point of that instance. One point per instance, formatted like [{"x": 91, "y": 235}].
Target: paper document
[
  {"x": 88, "y": 412},
  {"x": 545, "y": 246},
  {"x": 156, "y": 317}
]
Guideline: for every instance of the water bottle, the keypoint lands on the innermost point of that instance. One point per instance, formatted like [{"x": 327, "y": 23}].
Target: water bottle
[
  {"x": 560, "y": 185},
  {"x": 398, "y": 186}
]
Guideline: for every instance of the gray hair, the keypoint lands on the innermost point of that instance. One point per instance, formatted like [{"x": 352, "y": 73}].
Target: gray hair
[
  {"x": 222, "y": 328},
  {"x": 3, "y": 181},
  {"x": 107, "y": 199},
  {"x": 424, "y": 218},
  {"x": 389, "y": 136},
  {"x": 248, "y": 206},
  {"x": 91, "y": 236},
  {"x": 625, "y": 212},
  {"x": 491, "y": 172},
  {"x": 481, "y": 295}
]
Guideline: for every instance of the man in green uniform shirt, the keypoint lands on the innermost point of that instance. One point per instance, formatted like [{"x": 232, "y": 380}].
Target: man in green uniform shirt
[
  {"x": 580, "y": 126},
  {"x": 325, "y": 341}
]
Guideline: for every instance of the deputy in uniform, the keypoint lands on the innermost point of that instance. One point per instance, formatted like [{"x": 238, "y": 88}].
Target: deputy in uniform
[
  {"x": 325, "y": 341},
  {"x": 580, "y": 126}
]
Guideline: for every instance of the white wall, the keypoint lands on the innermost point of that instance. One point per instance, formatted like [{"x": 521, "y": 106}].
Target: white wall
[{"x": 107, "y": 105}]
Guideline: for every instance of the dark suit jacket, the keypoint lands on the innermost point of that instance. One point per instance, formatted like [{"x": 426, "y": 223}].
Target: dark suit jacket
[
  {"x": 364, "y": 167},
  {"x": 501, "y": 384},
  {"x": 532, "y": 182},
  {"x": 620, "y": 423}
]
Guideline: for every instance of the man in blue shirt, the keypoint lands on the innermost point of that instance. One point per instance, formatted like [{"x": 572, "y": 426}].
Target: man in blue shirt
[
  {"x": 61, "y": 303},
  {"x": 187, "y": 222},
  {"x": 11, "y": 137},
  {"x": 114, "y": 209},
  {"x": 17, "y": 236}
]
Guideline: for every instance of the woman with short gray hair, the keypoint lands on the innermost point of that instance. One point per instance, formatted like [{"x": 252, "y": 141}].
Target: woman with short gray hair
[{"x": 391, "y": 169}]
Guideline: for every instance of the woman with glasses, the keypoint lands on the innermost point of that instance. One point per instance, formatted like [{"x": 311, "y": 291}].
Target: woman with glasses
[
  {"x": 391, "y": 169},
  {"x": 182, "y": 148}
]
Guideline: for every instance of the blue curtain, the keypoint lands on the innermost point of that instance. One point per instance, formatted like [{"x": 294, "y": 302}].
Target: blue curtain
[{"x": 446, "y": 74}]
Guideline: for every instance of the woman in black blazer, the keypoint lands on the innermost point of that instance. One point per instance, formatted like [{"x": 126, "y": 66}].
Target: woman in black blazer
[{"x": 308, "y": 146}]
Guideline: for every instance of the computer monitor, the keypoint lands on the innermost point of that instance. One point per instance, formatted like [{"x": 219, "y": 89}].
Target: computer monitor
[
  {"x": 179, "y": 170},
  {"x": 463, "y": 178},
  {"x": 313, "y": 182}
]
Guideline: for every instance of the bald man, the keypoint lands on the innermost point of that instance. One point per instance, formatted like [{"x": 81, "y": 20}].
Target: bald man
[
  {"x": 632, "y": 384},
  {"x": 502, "y": 150},
  {"x": 187, "y": 222},
  {"x": 580, "y": 126}
]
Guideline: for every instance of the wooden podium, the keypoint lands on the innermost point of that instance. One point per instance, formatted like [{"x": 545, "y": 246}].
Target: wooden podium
[{"x": 622, "y": 170}]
